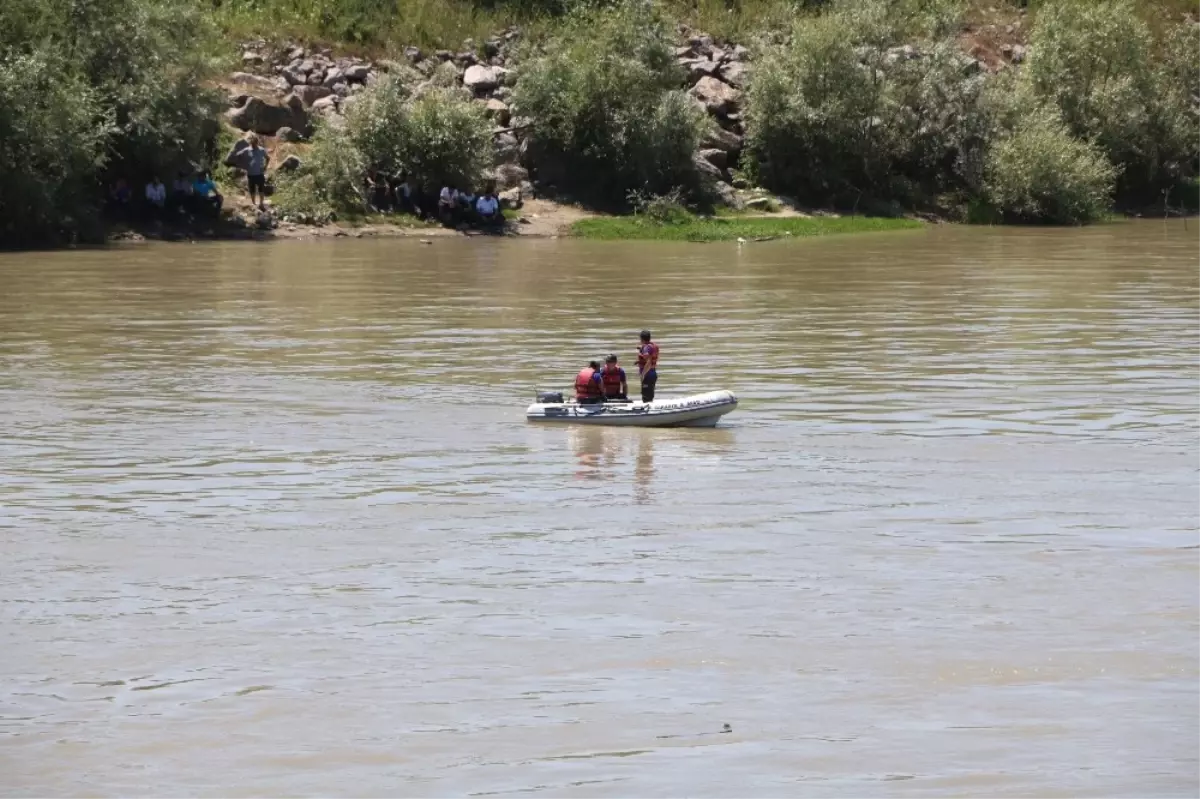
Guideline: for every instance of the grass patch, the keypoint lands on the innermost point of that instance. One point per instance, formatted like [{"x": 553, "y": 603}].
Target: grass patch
[{"x": 707, "y": 228}]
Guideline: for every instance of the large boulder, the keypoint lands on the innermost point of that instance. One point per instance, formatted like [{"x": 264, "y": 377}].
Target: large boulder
[
  {"x": 481, "y": 79},
  {"x": 288, "y": 135},
  {"x": 326, "y": 105},
  {"x": 290, "y": 164},
  {"x": 735, "y": 73},
  {"x": 238, "y": 156},
  {"x": 507, "y": 148},
  {"x": 720, "y": 139},
  {"x": 497, "y": 110},
  {"x": 357, "y": 73},
  {"x": 718, "y": 158},
  {"x": 709, "y": 172},
  {"x": 726, "y": 195},
  {"x": 310, "y": 94},
  {"x": 333, "y": 77},
  {"x": 510, "y": 175},
  {"x": 698, "y": 68},
  {"x": 718, "y": 98},
  {"x": 255, "y": 82},
  {"x": 294, "y": 76},
  {"x": 268, "y": 116}
]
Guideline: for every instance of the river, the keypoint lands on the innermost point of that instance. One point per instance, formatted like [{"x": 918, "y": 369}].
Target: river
[{"x": 273, "y": 523}]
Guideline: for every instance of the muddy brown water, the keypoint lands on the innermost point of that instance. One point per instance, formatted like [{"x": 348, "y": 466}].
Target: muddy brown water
[{"x": 273, "y": 523}]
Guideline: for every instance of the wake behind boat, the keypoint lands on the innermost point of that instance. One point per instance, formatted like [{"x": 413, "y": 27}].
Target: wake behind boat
[{"x": 696, "y": 410}]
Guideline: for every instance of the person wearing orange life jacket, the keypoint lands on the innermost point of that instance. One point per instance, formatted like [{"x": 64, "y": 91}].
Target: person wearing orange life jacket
[
  {"x": 612, "y": 380},
  {"x": 647, "y": 363},
  {"x": 588, "y": 389}
]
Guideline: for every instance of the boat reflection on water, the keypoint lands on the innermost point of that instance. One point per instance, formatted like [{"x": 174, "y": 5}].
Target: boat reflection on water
[
  {"x": 614, "y": 454},
  {"x": 595, "y": 450}
]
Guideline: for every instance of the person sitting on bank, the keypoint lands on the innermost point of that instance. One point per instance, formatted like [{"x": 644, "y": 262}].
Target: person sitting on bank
[
  {"x": 205, "y": 195},
  {"x": 120, "y": 197},
  {"x": 647, "y": 364},
  {"x": 588, "y": 390},
  {"x": 181, "y": 192},
  {"x": 448, "y": 203},
  {"x": 156, "y": 196},
  {"x": 612, "y": 380},
  {"x": 487, "y": 208},
  {"x": 406, "y": 201},
  {"x": 466, "y": 206},
  {"x": 379, "y": 192}
]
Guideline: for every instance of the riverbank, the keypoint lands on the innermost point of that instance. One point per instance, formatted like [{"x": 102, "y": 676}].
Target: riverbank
[
  {"x": 737, "y": 228},
  {"x": 950, "y": 110}
]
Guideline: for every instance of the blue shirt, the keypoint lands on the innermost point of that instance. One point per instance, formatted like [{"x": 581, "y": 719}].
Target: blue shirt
[{"x": 203, "y": 187}]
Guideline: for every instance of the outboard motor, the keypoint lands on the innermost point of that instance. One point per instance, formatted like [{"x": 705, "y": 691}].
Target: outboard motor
[{"x": 547, "y": 397}]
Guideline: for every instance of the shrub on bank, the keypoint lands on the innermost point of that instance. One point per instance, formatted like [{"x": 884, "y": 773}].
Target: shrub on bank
[
  {"x": 1038, "y": 172},
  {"x": 114, "y": 87},
  {"x": 437, "y": 138},
  {"x": 843, "y": 111},
  {"x": 1116, "y": 86},
  {"x": 52, "y": 138},
  {"x": 605, "y": 107}
]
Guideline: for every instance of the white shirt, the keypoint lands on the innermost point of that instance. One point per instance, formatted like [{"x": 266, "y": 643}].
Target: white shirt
[
  {"x": 156, "y": 193},
  {"x": 448, "y": 195},
  {"x": 486, "y": 205}
]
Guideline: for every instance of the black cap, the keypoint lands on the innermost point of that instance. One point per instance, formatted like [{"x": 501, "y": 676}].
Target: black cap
[
  {"x": 611, "y": 359},
  {"x": 645, "y": 335}
]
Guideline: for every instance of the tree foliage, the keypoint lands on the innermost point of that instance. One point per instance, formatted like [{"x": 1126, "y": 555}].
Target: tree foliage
[
  {"x": 842, "y": 110},
  {"x": 1099, "y": 63},
  {"x": 437, "y": 137},
  {"x": 94, "y": 89},
  {"x": 605, "y": 106},
  {"x": 1039, "y": 172}
]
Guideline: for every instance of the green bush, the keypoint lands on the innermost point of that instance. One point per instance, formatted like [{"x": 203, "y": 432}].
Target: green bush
[
  {"x": 52, "y": 137},
  {"x": 606, "y": 112},
  {"x": 446, "y": 139},
  {"x": 1096, "y": 60},
  {"x": 1040, "y": 173},
  {"x": 437, "y": 138},
  {"x": 841, "y": 112},
  {"x": 122, "y": 95}
]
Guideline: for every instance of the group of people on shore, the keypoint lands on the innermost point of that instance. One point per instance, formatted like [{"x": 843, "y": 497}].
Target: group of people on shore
[
  {"x": 194, "y": 193},
  {"x": 608, "y": 383},
  {"x": 398, "y": 193},
  {"x": 457, "y": 207},
  {"x": 190, "y": 193}
]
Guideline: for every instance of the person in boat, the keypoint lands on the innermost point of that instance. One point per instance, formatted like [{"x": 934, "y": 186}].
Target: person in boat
[
  {"x": 612, "y": 380},
  {"x": 588, "y": 389},
  {"x": 647, "y": 364}
]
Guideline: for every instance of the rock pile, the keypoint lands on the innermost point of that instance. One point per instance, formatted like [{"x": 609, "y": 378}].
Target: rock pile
[
  {"x": 283, "y": 88},
  {"x": 717, "y": 73}
]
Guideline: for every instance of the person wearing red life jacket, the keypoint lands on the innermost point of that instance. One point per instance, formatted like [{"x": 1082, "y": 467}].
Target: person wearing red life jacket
[
  {"x": 612, "y": 380},
  {"x": 588, "y": 389},
  {"x": 647, "y": 364}
]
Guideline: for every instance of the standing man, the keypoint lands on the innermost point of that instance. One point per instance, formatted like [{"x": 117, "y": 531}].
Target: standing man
[
  {"x": 647, "y": 363},
  {"x": 256, "y": 171},
  {"x": 612, "y": 379}
]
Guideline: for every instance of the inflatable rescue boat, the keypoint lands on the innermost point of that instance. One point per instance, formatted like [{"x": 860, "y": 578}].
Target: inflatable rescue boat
[{"x": 697, "y": 410}]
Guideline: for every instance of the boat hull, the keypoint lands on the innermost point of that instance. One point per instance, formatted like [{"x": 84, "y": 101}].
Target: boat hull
[{"x": 697, "y": 410}]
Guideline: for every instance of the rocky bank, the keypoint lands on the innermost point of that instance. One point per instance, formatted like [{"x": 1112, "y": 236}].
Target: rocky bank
[{"x": 283, "y": 88}]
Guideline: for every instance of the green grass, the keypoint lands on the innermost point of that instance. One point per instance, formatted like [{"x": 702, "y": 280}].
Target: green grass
[
  {"x": 731, "y": 228},
  {"x": 374, "y": 25}
]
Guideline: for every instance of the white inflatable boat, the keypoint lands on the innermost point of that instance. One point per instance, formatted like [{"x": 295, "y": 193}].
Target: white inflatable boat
[{"x": 697, "y": 410}]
